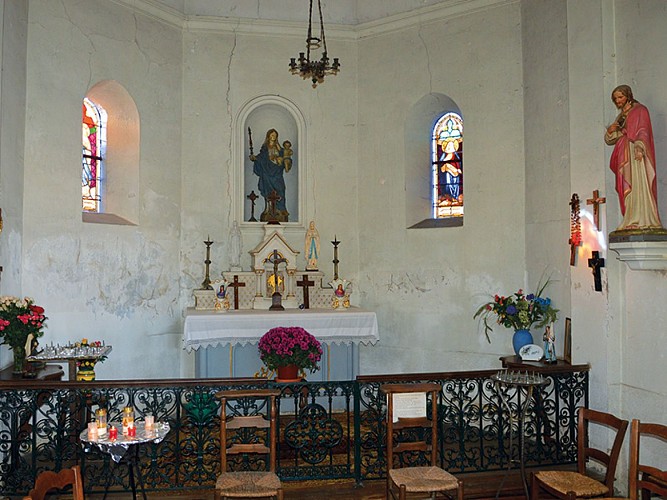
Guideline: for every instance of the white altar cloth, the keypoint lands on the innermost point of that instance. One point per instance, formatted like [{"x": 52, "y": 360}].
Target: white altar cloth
[{"x": 207, "y": 328}]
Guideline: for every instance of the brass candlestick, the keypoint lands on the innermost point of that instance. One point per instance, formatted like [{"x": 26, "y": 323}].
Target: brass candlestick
[
  {"x": 335, "y": 261},
  {"x": 206, "y": 284}
]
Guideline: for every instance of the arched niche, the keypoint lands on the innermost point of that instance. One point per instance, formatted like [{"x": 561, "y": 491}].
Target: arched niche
[
  {"x": 418, "y": 130},
  {"x": 120, "y": 200},
  {"x": 260, "y": 115}
]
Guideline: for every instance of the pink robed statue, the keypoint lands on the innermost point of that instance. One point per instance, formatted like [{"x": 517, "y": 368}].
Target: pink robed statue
[{"x": 633, "y": 163}]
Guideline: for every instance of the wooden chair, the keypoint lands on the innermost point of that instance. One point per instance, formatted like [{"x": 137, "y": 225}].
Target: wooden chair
[
  {"x": 49, "y": 480},
  {"x": 570, "y": 485},
  {"x": 646, "y": 479},
  {"x": 248, "y": 429},
  {"x": 414, "y": 439}
]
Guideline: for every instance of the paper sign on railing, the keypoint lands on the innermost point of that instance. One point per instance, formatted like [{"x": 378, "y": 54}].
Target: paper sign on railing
[{"x": 409, "y": 405}]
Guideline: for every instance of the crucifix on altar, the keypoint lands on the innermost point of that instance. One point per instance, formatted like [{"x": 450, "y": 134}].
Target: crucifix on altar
[
  {"x": 276, "y": 297},
  {"x": 305, "y": 284},
  {"x": 236, "y": 284},
  {"x": 272, "y": 199}
]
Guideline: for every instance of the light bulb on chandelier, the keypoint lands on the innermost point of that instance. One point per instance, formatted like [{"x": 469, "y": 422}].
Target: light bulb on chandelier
[{"x": 315, "y": 70}]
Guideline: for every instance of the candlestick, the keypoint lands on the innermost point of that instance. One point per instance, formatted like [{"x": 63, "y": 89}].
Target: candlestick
[
  {"x": 335, "y": 261},
  {"x": 206, "y": 284}
]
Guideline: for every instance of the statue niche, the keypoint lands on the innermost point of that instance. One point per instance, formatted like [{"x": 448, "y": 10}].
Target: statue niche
[{"x": 270, "y": 131}]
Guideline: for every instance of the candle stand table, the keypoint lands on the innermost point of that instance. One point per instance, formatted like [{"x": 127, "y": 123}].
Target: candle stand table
[
  {"x": 125, "y": 449},
  {"x": 526, "y": 382}
]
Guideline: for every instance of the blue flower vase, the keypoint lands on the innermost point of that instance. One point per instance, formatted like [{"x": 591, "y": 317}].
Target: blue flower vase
[{"x": 521, "y": 338}]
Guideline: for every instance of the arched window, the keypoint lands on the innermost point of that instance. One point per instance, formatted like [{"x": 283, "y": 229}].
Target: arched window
[
  {"x": 93, "y": 130},
  {"x": 110, "y": 171},
  {"x": 447, "y": 166}
]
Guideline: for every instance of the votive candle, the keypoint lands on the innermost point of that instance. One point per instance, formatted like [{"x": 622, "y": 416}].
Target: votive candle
[
  {"x": 113, "y": 433},
  {"x": 149, "y": 422},
  {"x": 92, "y": 431}
]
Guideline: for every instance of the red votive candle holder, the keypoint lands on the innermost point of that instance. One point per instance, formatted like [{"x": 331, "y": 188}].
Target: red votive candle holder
[
  {"x": 132, "y": 431},
  {"x": 113, "y": 433}
]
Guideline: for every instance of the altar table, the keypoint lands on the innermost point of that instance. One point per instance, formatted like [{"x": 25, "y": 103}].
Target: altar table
[{"x": 229, "y": 339}]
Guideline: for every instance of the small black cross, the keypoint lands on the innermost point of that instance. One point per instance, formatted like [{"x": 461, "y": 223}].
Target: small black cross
[
  {"x": 305, "y": 283},
  {"x": 596, "y": 263}
]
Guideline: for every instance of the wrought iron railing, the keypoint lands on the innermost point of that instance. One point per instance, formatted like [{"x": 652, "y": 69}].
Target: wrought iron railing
[{"x": 328, "y": 430}]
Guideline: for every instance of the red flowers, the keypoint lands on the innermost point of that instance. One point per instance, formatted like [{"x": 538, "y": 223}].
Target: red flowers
[
  {"x": 282, "y": 346},
  {"x": 18, "y": 319}
]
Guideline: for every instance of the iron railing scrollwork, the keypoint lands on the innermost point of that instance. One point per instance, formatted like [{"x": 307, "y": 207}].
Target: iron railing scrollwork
[{"x": 327, "y": 430}]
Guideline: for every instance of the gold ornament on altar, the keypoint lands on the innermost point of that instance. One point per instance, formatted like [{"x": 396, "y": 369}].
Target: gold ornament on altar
[
  {"x": 271, "y": 284},
  {"x": 341, "y": 293}
]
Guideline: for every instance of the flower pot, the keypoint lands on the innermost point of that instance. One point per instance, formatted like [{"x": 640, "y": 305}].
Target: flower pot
[
  {"x": 289, "y": 373},
  {"x": 521, "y": 338},
  {"x": 85, "y": 370}
]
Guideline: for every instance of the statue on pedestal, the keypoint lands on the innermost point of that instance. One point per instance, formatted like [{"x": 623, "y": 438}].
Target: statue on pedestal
[
  {"x": 269, "y": 164},
  {"x": 235, "y": 247},
  {"x": 312, "y": 247},
  {"x": 633, "y": 162}
]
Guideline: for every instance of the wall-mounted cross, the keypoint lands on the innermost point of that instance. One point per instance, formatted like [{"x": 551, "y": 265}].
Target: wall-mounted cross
[
  {"x": 236, "y": 285},
  {"x": 305, "y": 283},
  {"x": 596, "y": 201},
  {"x": 596, "y": 263}
]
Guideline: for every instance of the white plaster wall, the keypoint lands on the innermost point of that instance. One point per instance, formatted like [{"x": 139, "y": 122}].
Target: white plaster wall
[
  {"x": 426, "y": 284},
  {"x": 116, "y": 283},
  {"x": 224, "y": 71},
  {"x": 547, "y": 167},
  {"x": 640, "y": 62},
  {"x": 595, "y": 339},
  {"x": 130, "y": 285},
  {"x": 13, "y": 42}
]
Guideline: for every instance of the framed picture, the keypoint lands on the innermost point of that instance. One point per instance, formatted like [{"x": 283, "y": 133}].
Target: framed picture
[{"x": 567, "y": 341}]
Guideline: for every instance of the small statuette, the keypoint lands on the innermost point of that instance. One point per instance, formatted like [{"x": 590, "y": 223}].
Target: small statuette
[{"x": 221, "y": 296}]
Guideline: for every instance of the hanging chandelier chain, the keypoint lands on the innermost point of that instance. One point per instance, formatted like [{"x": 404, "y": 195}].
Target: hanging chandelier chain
[
  {"x": 316, "y": 70},
  {"x": 324, "y": 41}
]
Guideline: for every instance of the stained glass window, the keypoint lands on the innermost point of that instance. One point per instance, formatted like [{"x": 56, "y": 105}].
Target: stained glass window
[
  {"x": 93, "y": 130},
  {"x": 447, "y": 166}
]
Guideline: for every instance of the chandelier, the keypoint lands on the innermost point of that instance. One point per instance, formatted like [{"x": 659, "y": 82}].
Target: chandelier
[{"x": 316, "y": 70}]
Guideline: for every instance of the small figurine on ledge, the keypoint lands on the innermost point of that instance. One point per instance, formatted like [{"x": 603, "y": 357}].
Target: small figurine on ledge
[
  {"x": 312, "y": 247},
  {"x": 549, "y": 338},
  {"x": 341, "y": 295},
  {"x": 221, "y": 296}
]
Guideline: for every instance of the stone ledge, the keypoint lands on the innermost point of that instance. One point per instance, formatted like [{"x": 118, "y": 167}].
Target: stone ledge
[{"x": 641, "y": 252}]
